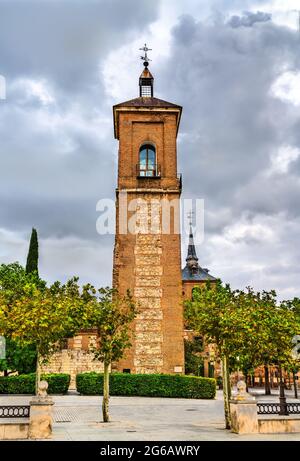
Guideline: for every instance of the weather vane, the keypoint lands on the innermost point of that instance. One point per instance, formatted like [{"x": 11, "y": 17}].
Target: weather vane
[
  {"x": 190, "y": 216},
  {"x": 145, "y": 57}
]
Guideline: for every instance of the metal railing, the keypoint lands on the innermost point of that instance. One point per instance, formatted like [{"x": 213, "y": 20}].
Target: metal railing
[
  {"x": 179, "y": 177},
  {"x": 14, "y": 411},
  {"x": 148, "y": 171},
  {"x": 273, "y": 408}
]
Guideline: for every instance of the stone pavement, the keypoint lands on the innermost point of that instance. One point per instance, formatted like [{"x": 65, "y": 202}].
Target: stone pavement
[{"x": 145, "y": 419}]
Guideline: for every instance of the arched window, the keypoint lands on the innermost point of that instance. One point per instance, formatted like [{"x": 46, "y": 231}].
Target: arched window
[{"x": 147, "y": 161}]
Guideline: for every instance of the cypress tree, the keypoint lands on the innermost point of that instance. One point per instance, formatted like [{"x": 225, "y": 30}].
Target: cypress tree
[{"x": 33, "y": 254}]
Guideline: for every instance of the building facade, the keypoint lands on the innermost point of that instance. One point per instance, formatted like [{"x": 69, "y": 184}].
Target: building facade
[{"x": 147, "y": 257}]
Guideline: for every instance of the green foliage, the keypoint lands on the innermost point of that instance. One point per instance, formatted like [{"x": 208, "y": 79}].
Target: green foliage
[
  {"x": 33, "y": 254},
  {"x": 211, "y": 312},
  {"x": 219, "y": 381},
  {"x": 193, "y": 360},
  {"x": 13, "y": 282},
  {"x": 25, "y": 384},
  {"x": 58, "y": 382},
  {"x": 248, "y": 328},
  {"x": 40, "y": 316},
  {"x": 263, "y": 328},
  {"x": 154, "y": 385},
  {"x": 43, "y": 316},
  {"x": 295, "y": 305},
  {"x": 18, "y": 359}
]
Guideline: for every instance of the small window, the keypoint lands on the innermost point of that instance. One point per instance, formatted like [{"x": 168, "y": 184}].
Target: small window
[
  {"x": 147, "y": 162},
  {"x": 146, "y": 91},
  {"x": 126, "y": 370}
]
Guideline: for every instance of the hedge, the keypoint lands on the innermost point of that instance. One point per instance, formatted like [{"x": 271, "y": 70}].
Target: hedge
[
  {"x": 157, "y": 385},
  {"x": 25, "y": 384}
]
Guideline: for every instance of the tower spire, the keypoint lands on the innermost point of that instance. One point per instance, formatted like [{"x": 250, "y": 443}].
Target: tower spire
[
  {"x": 191, "y": 258},
  {"x": 146, "y": 78},
  {"x": 191, "y": 254}
]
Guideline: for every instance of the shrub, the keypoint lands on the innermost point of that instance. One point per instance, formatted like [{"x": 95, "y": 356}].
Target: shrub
[
  {"x": 158, "y": 385},
  {"x": 25, "y": 384}
]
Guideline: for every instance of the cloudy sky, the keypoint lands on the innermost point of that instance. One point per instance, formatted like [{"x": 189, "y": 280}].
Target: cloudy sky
[{"x": 234, "y": 65}]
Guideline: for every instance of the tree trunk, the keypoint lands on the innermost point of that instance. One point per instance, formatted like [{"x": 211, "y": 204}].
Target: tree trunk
[
  {"x": 295, "y": 385},
  {"x": 267, "y": 381},
  {"x": 246, "y": 379},
  {"x": 6, "y": 373},
  {"x": 105, "y": 401},
  {"x": 228, "y": 380},
  {"x": 37, "y": 373},
  {"x": 226, "y": 392}
]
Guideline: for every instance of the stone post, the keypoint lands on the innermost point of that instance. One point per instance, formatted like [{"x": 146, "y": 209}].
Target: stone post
[
  {"x": 243, "y": 411},
  {"x": 40, "y": 422}
]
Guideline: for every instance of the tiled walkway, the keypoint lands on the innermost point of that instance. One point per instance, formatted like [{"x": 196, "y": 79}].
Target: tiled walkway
[{"x": 138, "y": 418}]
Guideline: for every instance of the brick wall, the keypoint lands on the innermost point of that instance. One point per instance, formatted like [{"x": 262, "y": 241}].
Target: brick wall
[{"x": 149, "y": 263}]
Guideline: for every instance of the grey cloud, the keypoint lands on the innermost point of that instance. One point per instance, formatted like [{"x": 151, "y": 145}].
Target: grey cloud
[
  {"x": 55, "y": 157},
  {"x": 231, "y": 128},
  {"x": 59, "y": 159},
  {"x": 231, "y": 124},
  {"x": 249, "y": 19},
  {"x": 67, "y": 40}
]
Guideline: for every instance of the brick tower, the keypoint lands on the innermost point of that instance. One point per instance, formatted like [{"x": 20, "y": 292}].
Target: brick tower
[{"x": 147, "y": 258}]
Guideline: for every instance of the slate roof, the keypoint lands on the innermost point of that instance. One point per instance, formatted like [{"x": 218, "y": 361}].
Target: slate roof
[
  {"x": 198, "y": 275},
  {"x": 195, "y": 273},
  {"x": 147, "y": 102}
]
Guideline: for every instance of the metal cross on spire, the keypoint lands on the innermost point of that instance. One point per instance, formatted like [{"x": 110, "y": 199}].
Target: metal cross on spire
[{"x": 145, "y": 57}]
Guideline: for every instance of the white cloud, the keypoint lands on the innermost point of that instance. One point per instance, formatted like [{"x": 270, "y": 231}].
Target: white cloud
[
  {"x": 32, "y": 89},
  {"x": 256, "y": 252},
  {"x": 287, "y": 87},
  {"x": 12, "y": 245},
  {"x": 281, "y": 160},
  {"x": 284, "y": 12},
  {"x": 72, "y": 256}
]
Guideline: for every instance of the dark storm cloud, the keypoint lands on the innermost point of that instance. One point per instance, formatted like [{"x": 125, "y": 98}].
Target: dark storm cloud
[
  {"x": 233, "y": 129},
  {"x": 248, "y": 19},
  {"x": 66, "y": 40},
  {"x": 232, "y": 125},
  {"x": 58, "y": 155},
  {"x": 56, "y": 148}
]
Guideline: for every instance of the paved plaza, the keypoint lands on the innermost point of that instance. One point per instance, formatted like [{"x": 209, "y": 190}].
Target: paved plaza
[{"x": 145, "y": 419}]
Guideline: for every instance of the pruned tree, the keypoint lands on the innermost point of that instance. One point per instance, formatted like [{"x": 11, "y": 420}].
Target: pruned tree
[
  {"x": 43, "y": 316},
  {"x": 249, "y": 328},
  {"x": 112, "y": 315},
  {"x": 13, "y": 279},
  {"x": 211, "y": 313}
]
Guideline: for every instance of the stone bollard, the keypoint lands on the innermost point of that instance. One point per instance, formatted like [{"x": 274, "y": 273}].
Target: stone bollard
[
  {"x": 243, "y": 411},
  {"x": 40, "y": 422}
]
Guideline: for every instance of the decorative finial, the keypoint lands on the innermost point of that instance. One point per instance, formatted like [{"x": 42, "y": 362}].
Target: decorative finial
[{"x": 145, "y": 57}]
